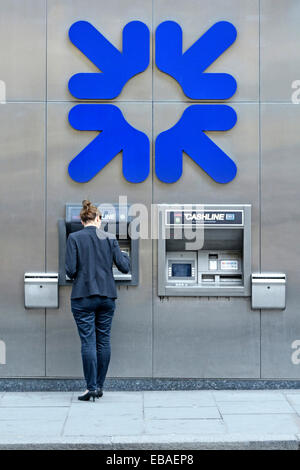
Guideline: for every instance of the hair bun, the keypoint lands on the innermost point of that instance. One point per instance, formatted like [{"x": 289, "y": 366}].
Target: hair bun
[
  {"x": 88, "y": 212},
  {"x": 86, "y": 203}
]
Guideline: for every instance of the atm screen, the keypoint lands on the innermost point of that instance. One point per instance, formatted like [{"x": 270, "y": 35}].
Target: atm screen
[{"x": 181, "y": 269}]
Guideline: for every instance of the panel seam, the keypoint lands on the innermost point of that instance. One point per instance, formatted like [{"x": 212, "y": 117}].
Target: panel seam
[
  {"x": 152, "y": 198},
  {"x": 260, "y": 174},
  {"x": 45, "y": 169}
]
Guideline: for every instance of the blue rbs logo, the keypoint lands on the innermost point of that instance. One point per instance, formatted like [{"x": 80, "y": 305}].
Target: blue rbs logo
[{"x": 188, "y": 134}]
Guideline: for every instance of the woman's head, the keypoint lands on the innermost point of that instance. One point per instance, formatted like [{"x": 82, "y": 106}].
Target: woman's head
[{"x": 89, "y": 214}]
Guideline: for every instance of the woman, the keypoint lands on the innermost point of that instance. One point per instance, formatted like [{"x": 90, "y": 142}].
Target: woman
[{"x": 89, "y": 260}]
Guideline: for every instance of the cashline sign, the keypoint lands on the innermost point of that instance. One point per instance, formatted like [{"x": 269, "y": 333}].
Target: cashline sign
[{"x": 205, "y": 217}]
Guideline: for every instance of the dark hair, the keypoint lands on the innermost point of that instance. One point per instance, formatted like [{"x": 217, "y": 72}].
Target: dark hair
[{"x": 88, "y": 212}]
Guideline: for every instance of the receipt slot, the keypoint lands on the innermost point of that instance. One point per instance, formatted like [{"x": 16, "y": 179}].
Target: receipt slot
[
  {"x": 204, "y": 250},
  {"x": 115, "y": 219}
]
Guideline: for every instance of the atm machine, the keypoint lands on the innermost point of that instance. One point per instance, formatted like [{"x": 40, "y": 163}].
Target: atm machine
[
  {"x": 204, "y": 250},
  {"x": 115, "y": 219}
]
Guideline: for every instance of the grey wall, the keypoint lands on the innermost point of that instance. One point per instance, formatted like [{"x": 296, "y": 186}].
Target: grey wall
[{"x": 177, "y": 337}]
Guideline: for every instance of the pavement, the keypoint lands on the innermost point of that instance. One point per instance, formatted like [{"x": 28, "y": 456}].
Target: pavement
[{"x": 152, "y": 420}]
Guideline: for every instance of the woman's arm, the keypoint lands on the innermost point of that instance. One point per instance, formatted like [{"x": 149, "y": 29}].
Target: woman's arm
[
  {"x": 71, "y": 258},
  {"x": 121, "y": 259}
]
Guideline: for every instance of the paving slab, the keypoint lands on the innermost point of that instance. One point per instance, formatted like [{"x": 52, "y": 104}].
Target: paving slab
[
  {"x": 106, "y": 410},
  {"x": 180, "y": 398},
  {"x": 255, "y": 407},
  {"x": 296, "y": 409},
  {"x": 248, "y": 395},
  {"x": 32, "y": 422},
  {"x": 293, "y": 398},
  {"x": 36, "y": 399},
  {"x": 202, "y": 412},
  {"x": 101, "y": 419},
  {"x": 102, "y": 427},
  {"x": 268, "y": 423},
  {"x": 185, "y": 426}
]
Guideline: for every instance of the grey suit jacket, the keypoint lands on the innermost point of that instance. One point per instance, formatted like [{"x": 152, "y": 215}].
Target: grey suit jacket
[{"x": 89, "y": 259}]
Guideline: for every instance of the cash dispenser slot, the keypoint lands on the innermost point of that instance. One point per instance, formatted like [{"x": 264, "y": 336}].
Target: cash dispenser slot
[
  {"x": 115, "y": 219},
  {"x": 208, "y": 278}
]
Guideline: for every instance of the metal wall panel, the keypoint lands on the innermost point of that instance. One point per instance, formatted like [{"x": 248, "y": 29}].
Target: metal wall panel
[
  {"x": 280, "y": 41},
  {"x": 200, "y": 337},
  {"x": 280, "y": 233},
  {"x": 64, "y": 59},
  {"x": 207, "y": 338},
  {"x": 22, "y": 150},
  {"x": 241, "y": 60},
  {"x": 22, "y": 49},
  {"x": 132, "y": 327}
]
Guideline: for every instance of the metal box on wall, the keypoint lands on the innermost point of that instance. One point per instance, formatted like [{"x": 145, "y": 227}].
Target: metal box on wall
[
  {"x": 268, "y": 290},
  {"x": 41, "y": 290}
]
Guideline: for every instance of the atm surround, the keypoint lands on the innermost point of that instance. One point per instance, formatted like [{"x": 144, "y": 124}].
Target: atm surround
[
  {"x": 222, "y": 264},
  {"x": 115, "y": 219}
]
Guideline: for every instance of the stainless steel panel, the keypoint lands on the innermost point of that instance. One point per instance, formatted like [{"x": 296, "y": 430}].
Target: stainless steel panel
[
  {"x": 22, "y": 49},
  {"x": 195, "y": 17},
  {"x": 212, "y": 338},
  {"x": 132, "y": 326},
  {"x": 200, "y": 337},
  {"x": 22, "y": 149},
  {"x": 280, "y": 233},
  {"x": 279, "y": 42},
  {"x": 64, "y": 59}
]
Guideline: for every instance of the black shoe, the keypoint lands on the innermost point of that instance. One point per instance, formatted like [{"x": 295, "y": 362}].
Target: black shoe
[
  {"x": 99, "y": 392},
  {"x": 87, "y": 395}
]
